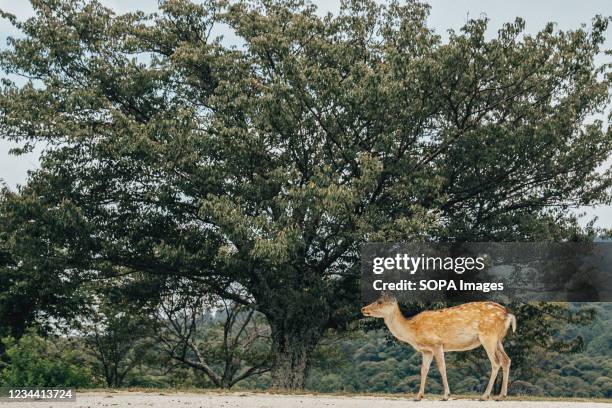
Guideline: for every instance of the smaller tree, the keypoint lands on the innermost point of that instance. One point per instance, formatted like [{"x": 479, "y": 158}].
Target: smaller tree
[
  {"x": 118, "y": 337},
  {"x": 224, "y": 340}
]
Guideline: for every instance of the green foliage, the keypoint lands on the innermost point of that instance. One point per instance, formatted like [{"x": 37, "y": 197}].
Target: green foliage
[
  {"x": 370, "y": 362},
  {"x": 32, "y": 278},
  {"x": 35, "y": 361}
]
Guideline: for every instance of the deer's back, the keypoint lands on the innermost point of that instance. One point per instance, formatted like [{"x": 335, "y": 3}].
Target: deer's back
[{"x": 460, "y": 327}]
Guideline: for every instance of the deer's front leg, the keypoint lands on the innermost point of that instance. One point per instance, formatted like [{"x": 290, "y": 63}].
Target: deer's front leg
[
  {"x": 427, "y": 357},
  {"x": 439, "y": 354}
]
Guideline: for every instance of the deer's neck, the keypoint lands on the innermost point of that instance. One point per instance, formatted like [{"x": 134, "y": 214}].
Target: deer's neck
[{"x": 401, "y": 327}]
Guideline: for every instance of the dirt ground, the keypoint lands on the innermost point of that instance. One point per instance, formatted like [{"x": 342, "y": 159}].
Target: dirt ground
[{"x": 126, "y": 399}]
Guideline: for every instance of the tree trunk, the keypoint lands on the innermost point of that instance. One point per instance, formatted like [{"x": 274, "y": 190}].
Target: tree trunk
[{"x": 291, "y": 352}]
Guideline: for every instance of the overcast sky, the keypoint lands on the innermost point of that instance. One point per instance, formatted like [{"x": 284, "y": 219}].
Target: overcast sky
[{"x": 445, "y": 14}]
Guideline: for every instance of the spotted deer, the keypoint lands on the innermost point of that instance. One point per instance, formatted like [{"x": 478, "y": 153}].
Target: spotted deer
[{"x": 459, "y": 328}]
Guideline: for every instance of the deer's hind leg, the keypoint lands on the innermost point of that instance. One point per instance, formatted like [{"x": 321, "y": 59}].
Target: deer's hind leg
[
  {"x": 505, "y": 363},
  {"x": 490, "y": 346}
]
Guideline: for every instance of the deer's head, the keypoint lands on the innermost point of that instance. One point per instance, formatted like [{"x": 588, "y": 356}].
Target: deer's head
[{"x": 385, "y": 306}]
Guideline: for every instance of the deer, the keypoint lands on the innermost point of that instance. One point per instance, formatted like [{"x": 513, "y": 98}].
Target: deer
[{"x": 459, "y": 328}]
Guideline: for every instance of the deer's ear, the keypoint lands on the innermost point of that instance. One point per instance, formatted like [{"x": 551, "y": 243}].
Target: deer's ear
[{"x": 386, "y": 297}]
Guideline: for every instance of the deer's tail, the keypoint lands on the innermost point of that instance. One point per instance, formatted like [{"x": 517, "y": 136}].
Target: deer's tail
[{"x": 511, "y": 322}]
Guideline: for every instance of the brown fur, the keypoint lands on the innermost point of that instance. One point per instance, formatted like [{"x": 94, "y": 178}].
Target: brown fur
[{"x": 458, "y": 328}]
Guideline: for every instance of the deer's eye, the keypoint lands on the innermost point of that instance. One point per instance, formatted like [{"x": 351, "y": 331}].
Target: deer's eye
[{"x": 379, "y": 303}]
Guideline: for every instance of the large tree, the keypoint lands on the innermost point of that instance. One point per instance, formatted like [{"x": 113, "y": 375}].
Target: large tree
[{"x": 261, "y": 168}]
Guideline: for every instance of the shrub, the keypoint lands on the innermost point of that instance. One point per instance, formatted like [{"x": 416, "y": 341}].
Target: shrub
[{"x": 39, "y": 362}]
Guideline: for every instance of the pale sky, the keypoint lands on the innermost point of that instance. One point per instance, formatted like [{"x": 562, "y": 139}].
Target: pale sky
[{"x": 445, "y": 14}]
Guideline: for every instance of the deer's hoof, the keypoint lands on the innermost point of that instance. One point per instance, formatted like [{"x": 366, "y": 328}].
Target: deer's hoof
[
  {"x": 484, "y": 397},
  {"x": 500, "y": 398},
  {"x": 446, "y": 397},
  {"x": 419, "y": 397}
]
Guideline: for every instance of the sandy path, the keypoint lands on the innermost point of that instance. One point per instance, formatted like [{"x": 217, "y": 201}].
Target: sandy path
[{"x": 249, "y": 400}]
